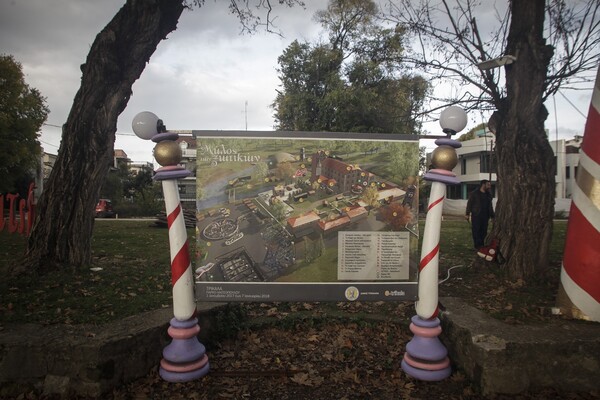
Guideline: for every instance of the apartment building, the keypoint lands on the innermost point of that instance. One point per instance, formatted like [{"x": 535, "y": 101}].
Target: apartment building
[
  {"x": 476, "y": 161},
  {"x": 566, "y": 153},
  {"x": 187, "y": 186}
]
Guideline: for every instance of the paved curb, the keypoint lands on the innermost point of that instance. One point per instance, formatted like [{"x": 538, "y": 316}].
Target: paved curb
[
  {"x": 86, "y": 360},
  {"x": 89, "y": 361},
  {"x": 510, "y": 359}
]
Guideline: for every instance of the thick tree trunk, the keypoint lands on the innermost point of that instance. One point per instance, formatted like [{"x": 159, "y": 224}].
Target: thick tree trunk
[
  {"x": 526, "y": 166},
  {"x": 63, "y": 229}
]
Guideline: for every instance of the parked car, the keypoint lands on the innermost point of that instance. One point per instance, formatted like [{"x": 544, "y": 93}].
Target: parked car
[{"x": 104, "y": 209}]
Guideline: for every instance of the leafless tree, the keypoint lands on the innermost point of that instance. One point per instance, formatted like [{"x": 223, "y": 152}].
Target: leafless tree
[{"x": 556, "y": 45}]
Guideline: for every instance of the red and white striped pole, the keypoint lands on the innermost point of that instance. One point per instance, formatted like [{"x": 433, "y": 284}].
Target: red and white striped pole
[
  {"x": 579, "y": 292},
  {"x": 427, "y": 303},
  {"x": 184, "y": 359},
  {"x": 182, "y": 279},
  {"x": 426, "y": 357}
]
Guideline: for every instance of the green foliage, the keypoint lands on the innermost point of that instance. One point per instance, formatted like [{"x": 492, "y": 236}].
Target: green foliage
[
  {"x": 278, "y": 209},
  {"x": 311, "y": 82},
  {"x": 402, "y": 162},
  {"x": 422, "y": 160},
  {"x": 471, "y": 134},
  {"x": 370, "y": 197},
  {"x": 133, "y": 194},
  {"x": 353, "y": 83},
  {"x": 23, "y": 110},
  {"x": 112, "y": 188}
]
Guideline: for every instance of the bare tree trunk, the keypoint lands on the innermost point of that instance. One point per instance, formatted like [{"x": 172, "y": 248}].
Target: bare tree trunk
[
  {"x": 63, "y": 229},
  {"x": 526, "y": 166}
]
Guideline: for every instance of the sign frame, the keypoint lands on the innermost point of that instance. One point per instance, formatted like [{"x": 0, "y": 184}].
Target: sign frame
[{"x": 215, "y": 149}]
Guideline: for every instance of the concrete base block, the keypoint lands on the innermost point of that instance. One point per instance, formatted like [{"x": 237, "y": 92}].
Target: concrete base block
[
  {"x": 510, "y": 359},
  {"x": 85, "y": 360},
  {"x": 60, "y": 385}
]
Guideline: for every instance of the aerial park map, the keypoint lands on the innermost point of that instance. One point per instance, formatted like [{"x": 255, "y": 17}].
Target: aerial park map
[{"x": 306, "y": 216}]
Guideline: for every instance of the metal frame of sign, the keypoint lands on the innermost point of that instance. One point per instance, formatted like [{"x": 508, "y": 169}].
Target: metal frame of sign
[{"x": 306, "y": 216}]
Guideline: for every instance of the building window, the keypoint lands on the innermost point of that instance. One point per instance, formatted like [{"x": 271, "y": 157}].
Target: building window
[
  {"x": 463, "y": 166},
  {"x": 575, "y": 172},
  {"x": 568, "y": 172},
  {"x": 454, "y": 192},
  {"x": 486, "y": 163}
]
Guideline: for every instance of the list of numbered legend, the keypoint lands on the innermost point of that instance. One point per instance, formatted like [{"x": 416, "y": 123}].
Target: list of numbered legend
[{"x": 373, "y": 256}]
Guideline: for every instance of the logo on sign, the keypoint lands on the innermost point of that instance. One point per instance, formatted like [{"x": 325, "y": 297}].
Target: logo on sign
[{"x": 351, "y": 293}]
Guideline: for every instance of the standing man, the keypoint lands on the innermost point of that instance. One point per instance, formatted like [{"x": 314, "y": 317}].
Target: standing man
[{"x": 479, "y": 211}]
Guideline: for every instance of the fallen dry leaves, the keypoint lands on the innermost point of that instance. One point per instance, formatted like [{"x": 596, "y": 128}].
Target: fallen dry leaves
[{"x": 318, "y": 357}]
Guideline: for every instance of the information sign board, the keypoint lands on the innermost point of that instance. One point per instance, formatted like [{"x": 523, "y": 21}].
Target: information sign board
[{"x": 305, "y": 216}]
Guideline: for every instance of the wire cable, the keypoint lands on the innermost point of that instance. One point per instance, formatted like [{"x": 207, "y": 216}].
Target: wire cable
[{"x": 448, "y": 276}]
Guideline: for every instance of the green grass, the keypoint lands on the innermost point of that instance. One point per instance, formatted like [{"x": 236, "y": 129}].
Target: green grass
[
  {"x": 487, "y": 285},
  {"x": 323, "y": 269},
  {"x": 135, "y": 274},
  {"x": 135, "y": 277},
  {"x": 456, "y": 244}
]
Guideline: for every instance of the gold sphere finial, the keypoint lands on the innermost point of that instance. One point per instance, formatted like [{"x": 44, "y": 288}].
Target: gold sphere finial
[
  {"x": 167, "y": 153},
  {"x": 444, "y": 157}
]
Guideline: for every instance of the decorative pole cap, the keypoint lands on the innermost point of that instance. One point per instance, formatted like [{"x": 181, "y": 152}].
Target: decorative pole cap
[
  {"x": 146, "y": 125},
  {"x": 452, "y": 120},
  {"x": 444, "y": 158}
]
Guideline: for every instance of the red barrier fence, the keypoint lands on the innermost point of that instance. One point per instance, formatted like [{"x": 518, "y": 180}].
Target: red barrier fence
[{"x": 26, "y": 212}]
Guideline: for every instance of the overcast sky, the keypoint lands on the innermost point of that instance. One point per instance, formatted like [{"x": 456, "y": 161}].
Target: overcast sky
[{"x": 199, "y": 78}]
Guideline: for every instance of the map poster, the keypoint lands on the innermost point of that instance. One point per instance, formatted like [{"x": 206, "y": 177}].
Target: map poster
[{"x": 304, "y": 216}]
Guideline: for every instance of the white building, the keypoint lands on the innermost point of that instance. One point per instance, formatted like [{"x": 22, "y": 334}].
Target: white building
[
  {"x": 566, "y": 153},
  {"x": 476, "y": 162},
  {"x": 187, "y": 186}
]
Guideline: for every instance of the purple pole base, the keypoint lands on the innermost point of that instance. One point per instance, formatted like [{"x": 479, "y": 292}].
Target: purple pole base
[
  {"x": 426, "y": 357},
  {"x": 171, "y": 172},
  {"x": 185, "y": 358}
]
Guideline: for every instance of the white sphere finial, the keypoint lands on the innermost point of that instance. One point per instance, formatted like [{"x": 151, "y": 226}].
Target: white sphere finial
[
  {"x": 453, "y": 120},
  {"x": 145, "y": 125}
]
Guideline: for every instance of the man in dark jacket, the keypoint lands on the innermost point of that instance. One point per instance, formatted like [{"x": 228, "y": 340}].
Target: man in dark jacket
[{"x": 479, "y": 211}]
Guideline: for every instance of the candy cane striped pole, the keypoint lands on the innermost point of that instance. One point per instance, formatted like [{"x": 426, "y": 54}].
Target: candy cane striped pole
[
  {"x": 427, "y": 303},
  {"x": 184, "y": 359},
  {"x": 182, "y": 279},
  {"x": 579, "y": 292},
  {"x": 426, "y": 358}
]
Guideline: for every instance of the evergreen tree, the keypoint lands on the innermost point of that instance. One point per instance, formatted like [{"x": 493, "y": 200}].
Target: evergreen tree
[
  {"x": 23, "y": 110},
  {"x": 353, "y": 83}
]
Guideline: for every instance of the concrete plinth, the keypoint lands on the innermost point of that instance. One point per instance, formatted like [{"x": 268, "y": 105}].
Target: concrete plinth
[{"x": 510, "y": 359}]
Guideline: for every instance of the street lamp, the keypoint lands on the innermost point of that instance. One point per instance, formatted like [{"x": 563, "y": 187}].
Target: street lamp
[
  {"x": 426, "y": 357},
  {"x": 453, "y": 119},
  {"x": 496, "y": 62},
  {"x": 184, "y": 359}
]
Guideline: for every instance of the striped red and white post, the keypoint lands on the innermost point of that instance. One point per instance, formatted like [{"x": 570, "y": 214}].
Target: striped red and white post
[
  {"x": 579, "y": 294},
  {"x": 182, "y": 277},
  {"x": 184, "y": 359},
  {"x": 427, "y": 304},
  {"x": 426, "y": 358}
]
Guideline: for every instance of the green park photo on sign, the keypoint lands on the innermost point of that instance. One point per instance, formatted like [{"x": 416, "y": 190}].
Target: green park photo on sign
[{"x": 290, "y": 217}]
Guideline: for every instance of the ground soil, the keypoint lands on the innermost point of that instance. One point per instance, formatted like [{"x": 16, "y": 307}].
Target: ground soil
[{"x": 347, "y": 350}]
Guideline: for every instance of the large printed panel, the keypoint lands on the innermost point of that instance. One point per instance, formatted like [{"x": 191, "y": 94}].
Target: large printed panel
[{"x": 290, "y": 217}]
